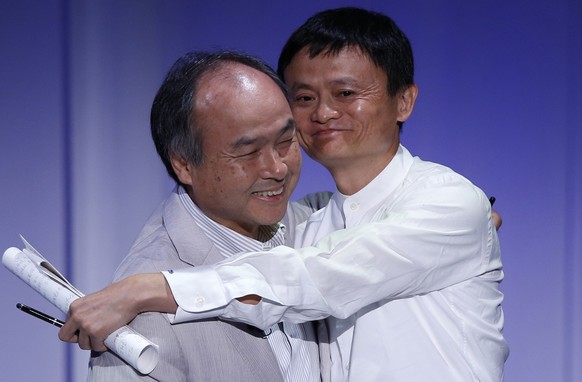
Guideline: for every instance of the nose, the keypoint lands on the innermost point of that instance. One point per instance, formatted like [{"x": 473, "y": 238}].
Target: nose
[
  {"x": 273, "y": 166},
  {"x": 324, "y": 111}
]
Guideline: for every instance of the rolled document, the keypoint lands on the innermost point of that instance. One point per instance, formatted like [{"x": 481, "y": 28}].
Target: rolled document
[{"x": 32, "y": 268}]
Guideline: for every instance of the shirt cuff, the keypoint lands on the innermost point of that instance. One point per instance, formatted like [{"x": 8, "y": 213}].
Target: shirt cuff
[
  {"x": 197, "y": 290},
  {"x": 184, "y": 316}
]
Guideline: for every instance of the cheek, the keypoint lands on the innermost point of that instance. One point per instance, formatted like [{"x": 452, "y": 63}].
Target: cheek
[
  {"x": 303, "y": 131},
  {"x": 367, "y": 118},
  {"x": 301, "y": 139},
  {"x": 240, "y": 175},
  {"x": 299, "y": 158},
  {"x": 302, "y": 116},
  {"x": 219, "y": 177},
  {"x": 293, "y": 158}
]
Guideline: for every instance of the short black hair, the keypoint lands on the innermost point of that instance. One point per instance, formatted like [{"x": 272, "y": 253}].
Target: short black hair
[
  {"x": 173, "y": 117},
  {"x": 375, "y": 34}
]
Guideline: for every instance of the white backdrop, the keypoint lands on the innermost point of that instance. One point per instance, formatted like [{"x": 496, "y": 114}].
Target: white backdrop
[{"x": 500, "y": 101}]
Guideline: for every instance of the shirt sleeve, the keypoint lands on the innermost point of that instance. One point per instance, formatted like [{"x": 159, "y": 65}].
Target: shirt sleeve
[{"x": 432, "y": 238}]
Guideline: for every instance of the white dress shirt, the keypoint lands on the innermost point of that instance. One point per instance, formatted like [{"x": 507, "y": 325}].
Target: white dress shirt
[{"x": 411, "y": 283}]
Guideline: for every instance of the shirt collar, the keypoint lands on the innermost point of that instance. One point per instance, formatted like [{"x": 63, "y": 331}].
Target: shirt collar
[
  {"x": 382, "y": 185},
  {"x": 228, "y": 241}
]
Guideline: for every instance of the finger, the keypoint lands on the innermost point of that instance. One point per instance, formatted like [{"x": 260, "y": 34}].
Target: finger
[
  {"x": 84, "y": 341},
  {"x": 99, "y": 348},
  {"x": 497, "y": 220},
  {"x": 72, "y": 339},
  {"x": 96, "y": 345},
  {"x": 66, "y": 335}
]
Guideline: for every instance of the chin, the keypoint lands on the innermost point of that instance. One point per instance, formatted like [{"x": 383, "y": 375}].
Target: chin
[
  {"x": 272, "y": 218},
  {"x": 327, "y": 150}
]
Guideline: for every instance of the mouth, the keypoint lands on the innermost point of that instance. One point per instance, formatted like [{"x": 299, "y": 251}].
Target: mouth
[
  {"x": 269, "y": 193},
  {"x": 328, "y": 131}
]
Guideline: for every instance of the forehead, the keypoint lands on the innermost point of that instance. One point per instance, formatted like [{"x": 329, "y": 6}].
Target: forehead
[
  {"x": 349, "y": 64},
  {"x": 237, "y": 99},
  {"x": 228, "y": 78}
]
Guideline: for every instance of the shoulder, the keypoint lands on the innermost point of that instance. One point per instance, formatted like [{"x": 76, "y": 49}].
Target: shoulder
[
  {"x": 153, "y": 250},
  {"x": 316, "y": 200},
  {"x": 437, "y": 188},
  {"x": 302, "y": 208},
  {"x": 153, "y": 253},
  {"x": 431, "y": 175}
]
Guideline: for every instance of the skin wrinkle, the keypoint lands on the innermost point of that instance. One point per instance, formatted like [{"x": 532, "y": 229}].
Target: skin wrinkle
[{"x": 346, "y": 119}]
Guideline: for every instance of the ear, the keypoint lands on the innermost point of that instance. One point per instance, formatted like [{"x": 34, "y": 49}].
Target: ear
[
  {"x": 182, "y": 169},
  {"x": 406, "y": 100}
]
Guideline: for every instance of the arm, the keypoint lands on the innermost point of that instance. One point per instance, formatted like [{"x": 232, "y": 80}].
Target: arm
[
  {"x": 93, "y": 317},
  {"x": 431, "y": 239},
  {"x": 415, "y": 248}
]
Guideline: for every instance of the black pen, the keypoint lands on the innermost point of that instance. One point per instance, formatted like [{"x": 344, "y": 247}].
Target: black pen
[{"x": 41, "y": 315}]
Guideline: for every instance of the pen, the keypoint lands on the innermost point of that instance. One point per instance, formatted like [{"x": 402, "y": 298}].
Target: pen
[{"x": 41, "y": 315}]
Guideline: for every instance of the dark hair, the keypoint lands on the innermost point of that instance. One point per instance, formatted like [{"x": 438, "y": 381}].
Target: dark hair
[
  {"x": 376, "y": 35},
  {"x": 173, "y": 117}
]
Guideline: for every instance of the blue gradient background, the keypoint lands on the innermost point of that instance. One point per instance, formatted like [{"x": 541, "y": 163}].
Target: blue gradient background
[{"x": 500, "y": 102}]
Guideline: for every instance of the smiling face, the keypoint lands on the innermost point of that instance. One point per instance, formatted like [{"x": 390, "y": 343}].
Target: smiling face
[
  {"x": 251, "y": 156},
  {"x": 345, "y": 117}
]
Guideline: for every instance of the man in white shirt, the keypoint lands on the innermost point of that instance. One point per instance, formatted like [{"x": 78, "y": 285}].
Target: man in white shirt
[{"x": 404, "y": 260}]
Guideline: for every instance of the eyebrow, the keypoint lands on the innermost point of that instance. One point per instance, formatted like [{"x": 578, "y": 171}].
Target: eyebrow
[
  {"x": 338, "y": 81},
  {"x": 250, "y": 140},
  {"x": 299, "y": 86},
  {"x": 345, "y": 81}
]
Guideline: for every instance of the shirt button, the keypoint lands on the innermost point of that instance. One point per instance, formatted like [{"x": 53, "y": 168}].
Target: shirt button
[
  {"x": 200, "y": 301},
  {"x": 354, "y": 206}
]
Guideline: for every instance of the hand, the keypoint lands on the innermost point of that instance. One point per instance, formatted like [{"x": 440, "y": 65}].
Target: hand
[
  {"x": 496, "y": 219},
  {"x": 494, "y": 215},
  {"x": 250, "y": 299},
  {"x": 93, "y": 317}
]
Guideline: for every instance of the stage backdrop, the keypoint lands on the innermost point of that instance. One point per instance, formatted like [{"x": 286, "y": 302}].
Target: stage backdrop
[{"x": 500, "y": 102}]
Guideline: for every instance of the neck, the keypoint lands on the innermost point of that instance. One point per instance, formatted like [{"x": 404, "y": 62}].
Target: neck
[
  {"x": 356, "y": 173},
  {"x": 351, "y": 179}
]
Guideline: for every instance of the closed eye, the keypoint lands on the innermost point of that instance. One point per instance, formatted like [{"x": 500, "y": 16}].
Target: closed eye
[
  {"x": 248, "y": 154},
  {"x": 284, "y": 146},
  {"x": 286, "y": 142},
  {"x": 303, "y": 98}
]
